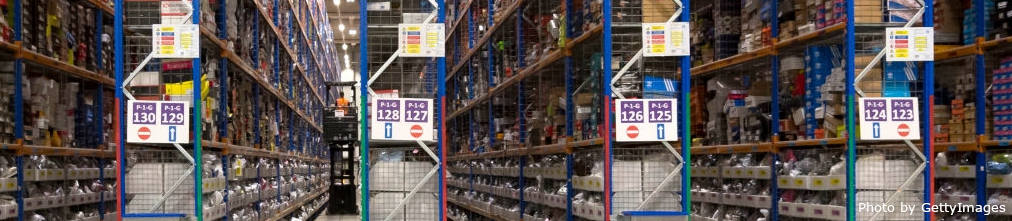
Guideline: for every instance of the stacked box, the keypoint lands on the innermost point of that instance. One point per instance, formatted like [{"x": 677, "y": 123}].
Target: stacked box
[
  {"x": 819, "y": 64},
  {"x": 947, "y": 23},
  {"x": 1002, "y": 16},
  {"x": 868, "y": 11},
  {"x": 941, "y": 127},
  {"x": 962, "y": 123},
  {"x": 970, "y": 21},
  {"x": 1002, "y": 100},
  {"x": 897, "y": 79}
]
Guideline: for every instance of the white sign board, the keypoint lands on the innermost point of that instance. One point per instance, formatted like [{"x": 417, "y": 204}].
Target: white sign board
[
  {"x": 175, "y": 41},
  {"x": 175, "y": 11},
  {"x": 666, "y": 39},
  {"x": 401, "y": 119},
  {"x": 158, "y": 122},
  {"x": 646, "y": 120},
  {"x": 889, "y": 118},
  {"x": 417, "y": 40},
  {"x": 910, "y": 44}
]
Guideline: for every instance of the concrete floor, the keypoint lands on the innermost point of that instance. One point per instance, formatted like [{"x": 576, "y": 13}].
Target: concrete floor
[
  {"x": 324, "y": 217},
  {"x": 339, "y": 218}
]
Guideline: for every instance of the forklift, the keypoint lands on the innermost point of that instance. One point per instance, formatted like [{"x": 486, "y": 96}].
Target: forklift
[{"x": 341, "y": 130}]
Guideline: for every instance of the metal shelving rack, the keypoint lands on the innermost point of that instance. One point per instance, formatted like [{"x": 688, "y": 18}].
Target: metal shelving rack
[
  {"x": 468, "y": 33},
  {"x": 94, "y": 83},
  {"x": 400, "y": 180},
  {"x": 984, "y": 53},
  {"x": 297, "y": 97}
]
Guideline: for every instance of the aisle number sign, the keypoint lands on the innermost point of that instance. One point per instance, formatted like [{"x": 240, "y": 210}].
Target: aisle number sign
[
  {"x": 417, "y": 40},
  {"x": 401, "y": 119},
  {"x": 175, "y": 41},
  {"x": 910, "y": 44},
  {"x": 885, "y": 118},
  {"x": 158, "y": 122},
  {"x": 666, "y": 39},
  {"x": 646, "y": 120}
]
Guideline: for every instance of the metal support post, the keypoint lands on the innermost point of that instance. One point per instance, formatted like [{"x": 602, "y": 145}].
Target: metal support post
[
  {"x": 363, "y": 41},
  {"x": 851, "y": 97},
  {"x": 980, "y": 106},
  {"x": 607, "y": 96}
]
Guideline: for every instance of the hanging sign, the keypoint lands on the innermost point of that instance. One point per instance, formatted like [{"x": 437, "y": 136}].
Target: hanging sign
[
  {"x": 401, "y": 119},
  {"x": 417, "y": 40},
  {"x": 158, "y": 122},
  {"x": 666, "y": 39},
  {"x": 175, "y": 11},
  {"x": 910, "y": 44},
  {"x": 646, "y": 120},
  {"x": 175, "y": 41},
  {"x": 889, "y": 118}
]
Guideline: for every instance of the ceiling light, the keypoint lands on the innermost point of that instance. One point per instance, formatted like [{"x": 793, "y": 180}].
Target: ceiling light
[
  {"x": 337, "y": 3},
  {"x": 344, "y": 46},
  {"x": 352, "y": 32},
  {"x": 340, "y": 27}
]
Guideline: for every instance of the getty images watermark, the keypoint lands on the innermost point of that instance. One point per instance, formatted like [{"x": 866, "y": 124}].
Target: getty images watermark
[{"x": 927, "y": 207}]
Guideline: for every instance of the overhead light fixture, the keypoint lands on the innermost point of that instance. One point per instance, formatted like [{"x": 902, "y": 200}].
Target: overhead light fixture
[
  {"x": 344, "y": 46},
  {"x": 352, "y": 32},
  {"x": 337, "y": 3},
  {"x": 340, "y": 27}
]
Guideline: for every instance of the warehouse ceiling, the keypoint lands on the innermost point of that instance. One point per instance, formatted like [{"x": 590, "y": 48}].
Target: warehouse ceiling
[{"x": 345, "y": 12}]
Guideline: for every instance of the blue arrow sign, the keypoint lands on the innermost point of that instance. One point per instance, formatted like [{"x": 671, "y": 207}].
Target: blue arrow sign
[
  {"x": 172, "y": 133},
  {"x": 388, "y": 130},
  {"x": 876, "y": 130},
  {"x": 660, "y": 131}
]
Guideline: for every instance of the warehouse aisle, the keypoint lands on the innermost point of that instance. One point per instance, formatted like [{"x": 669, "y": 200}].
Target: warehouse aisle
[{"x": 338, "y": 217}]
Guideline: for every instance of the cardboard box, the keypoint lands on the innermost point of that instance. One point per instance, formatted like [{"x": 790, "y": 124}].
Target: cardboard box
[
  {"x": 868, "y": 3},
  {"x": 862, "y": 61},
  {"x": 870, "y": 86},
  {"x": 875, "y": 74},
  {"x": 583, "y": 99},
  {"x": 868, "y": 19},
  {"x": 657, "y": 10},
  {"x": 868, "y": 11}
]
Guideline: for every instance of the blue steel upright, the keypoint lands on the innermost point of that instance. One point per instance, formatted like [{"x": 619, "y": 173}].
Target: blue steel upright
[
  {"x": 928, "y": 119},
  {"x": 980, "y": 110},
  {"x": 363, "y": 28}
]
